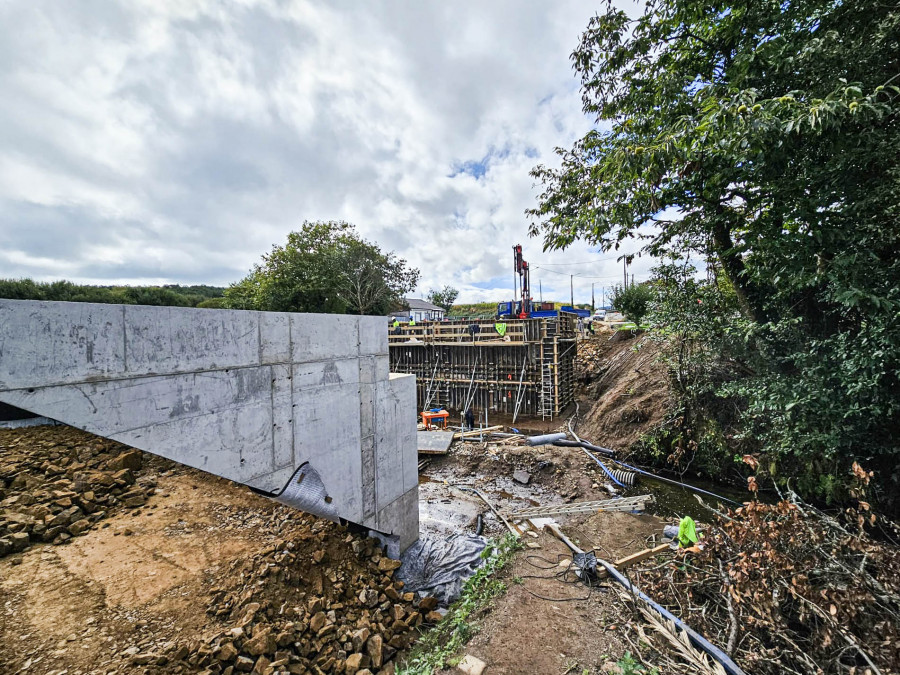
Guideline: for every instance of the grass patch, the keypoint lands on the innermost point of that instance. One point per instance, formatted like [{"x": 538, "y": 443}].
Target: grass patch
[{"x": 437, "y": 647}]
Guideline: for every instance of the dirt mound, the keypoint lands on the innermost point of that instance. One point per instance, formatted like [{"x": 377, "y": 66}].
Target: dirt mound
[
  {"x": 624, "y": 390},
  {"x": 203, "y": 576}
]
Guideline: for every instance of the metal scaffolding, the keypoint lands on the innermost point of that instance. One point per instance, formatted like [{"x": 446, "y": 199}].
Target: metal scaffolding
[{"x": 521, "y": 367}]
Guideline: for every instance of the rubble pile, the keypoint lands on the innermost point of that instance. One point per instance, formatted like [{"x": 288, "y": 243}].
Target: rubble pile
[
  {"x": 57, "y": 482},
  {"x": 321, "y": 600}
]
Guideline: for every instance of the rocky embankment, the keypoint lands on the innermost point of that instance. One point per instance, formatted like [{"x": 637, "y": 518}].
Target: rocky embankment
[
  {"x": 278, "y": 591},
  {"x": 57, "y": 483}
]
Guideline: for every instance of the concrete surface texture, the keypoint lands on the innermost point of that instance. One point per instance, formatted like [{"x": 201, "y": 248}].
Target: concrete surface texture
[{"x": 300, "y": 407}]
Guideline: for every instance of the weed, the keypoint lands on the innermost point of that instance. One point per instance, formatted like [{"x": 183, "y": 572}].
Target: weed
[
  {"x": 437, "y": 646},
  {"x": 629, "y": 666}
]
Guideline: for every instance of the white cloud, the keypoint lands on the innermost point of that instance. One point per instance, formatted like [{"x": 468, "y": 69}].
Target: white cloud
[{"x": 177, "y": 141}]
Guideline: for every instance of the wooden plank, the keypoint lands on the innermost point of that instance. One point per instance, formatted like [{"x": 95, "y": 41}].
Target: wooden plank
[
  {"x": 476, "y": 432},
  {"x": 634, "y": 559}
]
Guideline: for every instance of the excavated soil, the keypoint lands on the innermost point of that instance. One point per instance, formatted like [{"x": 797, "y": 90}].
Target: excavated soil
[
  {"x": 196, "y": 575},
  {"x": 624, "y": 390}
]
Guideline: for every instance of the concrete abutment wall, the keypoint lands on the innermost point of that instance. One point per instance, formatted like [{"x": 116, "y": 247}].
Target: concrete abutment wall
[{"x": 298, "y": 406}]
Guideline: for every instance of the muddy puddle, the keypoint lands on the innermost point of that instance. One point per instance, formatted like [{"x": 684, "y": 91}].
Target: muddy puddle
[{"x": 447, "y": 505}]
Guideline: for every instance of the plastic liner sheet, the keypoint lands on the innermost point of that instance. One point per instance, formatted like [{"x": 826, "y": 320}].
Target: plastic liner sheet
[{"x": 440, "y": 566}]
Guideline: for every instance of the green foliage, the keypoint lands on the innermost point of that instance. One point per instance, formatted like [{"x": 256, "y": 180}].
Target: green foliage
[
  {"x": 629, "y": 666},
  {"x": 325, "y": 267},
  {"x": 65, "y": 291},
  {"x": 761, "y": 138},
  {"x": 212, "y": 303},
  {"x": 444, "y": 297},
  {"x": 474, "y": 309},
  {"x": 633, "y": 301},
  {"x": 436, "y": 648}
]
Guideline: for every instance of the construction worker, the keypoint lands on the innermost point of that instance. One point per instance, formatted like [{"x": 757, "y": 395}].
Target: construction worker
[
  {"x": 412, "y": 321},
  {"x": 470, "y": 419},
  {"x": 581, "y": 326},
  {"x": 396, "y": 326}
]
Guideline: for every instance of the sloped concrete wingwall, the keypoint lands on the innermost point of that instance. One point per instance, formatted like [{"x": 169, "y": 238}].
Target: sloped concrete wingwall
[{"x": 299, "y": 406}]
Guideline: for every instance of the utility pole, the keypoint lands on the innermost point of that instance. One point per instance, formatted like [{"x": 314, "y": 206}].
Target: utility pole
[
  {"x": 571, "y": 291},
  {"x": 632, "y": 278},
  {"x": 625, "y": 271},
  {"x": 593, "y": 309},
  {"x": 541, "y": 291}
]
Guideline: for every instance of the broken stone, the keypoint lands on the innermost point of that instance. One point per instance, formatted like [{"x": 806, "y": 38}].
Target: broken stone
[
  {"x": 368, "y": 597},
  {"x": 317, "y": 622},
  {"x": 354, "y": 662},
  {"x": 262, "y": 642},
  {"x": 127, "y": 460},
  {"x": 388, "y": 565},
  {"x": 428, "y": 603},
  {"x": 522, "y": 477},
  {"x": 471, "y": 665},
  {"x": 18, "y": 541},
  {"x": 243, "y": 664},
  {"x": 358, "y": 639},
  {"x": 227, "y": 652},
  {"x": 375, "y": 650},
  {"x": 79, "y": 527}
]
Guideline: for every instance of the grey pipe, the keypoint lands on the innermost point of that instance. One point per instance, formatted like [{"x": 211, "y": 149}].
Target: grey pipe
[{"x": 546, "y": 439}]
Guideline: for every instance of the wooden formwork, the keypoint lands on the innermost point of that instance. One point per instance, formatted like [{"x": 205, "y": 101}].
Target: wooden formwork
[{"x": 528, "y": 371}]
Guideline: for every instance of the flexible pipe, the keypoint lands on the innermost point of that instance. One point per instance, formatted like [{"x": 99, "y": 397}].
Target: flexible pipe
[
  {"x": 697, "y": 640},
  {"x": 584, "y": 444}
]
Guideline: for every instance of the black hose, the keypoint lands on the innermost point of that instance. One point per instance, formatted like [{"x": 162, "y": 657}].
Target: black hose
[
  {"x": 586, "y": 446},
  {"x": 479, "y": 525},
  {"x": 697, "y": 640}
]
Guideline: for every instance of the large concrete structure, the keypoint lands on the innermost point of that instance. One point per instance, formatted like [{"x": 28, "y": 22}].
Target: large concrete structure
[
  {"x": 529, "y": 370},
  {"x": 300, "y": 407}
]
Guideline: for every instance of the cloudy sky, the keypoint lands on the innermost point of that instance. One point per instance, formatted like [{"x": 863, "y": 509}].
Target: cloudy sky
[{"x": 174, "y": 141}]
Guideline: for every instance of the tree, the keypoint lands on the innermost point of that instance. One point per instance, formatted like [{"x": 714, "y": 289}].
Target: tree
[
  {"x": 760, "y": 136},
  {"x": 325, "y": 267},
  {"x": 633, "y": 301},
  {"x": 444, "y": 297}
]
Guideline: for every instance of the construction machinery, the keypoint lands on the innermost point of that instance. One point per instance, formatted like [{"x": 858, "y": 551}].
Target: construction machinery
[{"x": 525, "y": 307}]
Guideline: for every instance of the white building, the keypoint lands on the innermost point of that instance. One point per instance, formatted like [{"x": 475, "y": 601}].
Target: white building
[{"x": 420, "y": 310}]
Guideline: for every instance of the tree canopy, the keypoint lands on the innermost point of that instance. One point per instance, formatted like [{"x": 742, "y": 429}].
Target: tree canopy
[
  {"x": 444, "y": 297},
  {"x": 759, "y": 137},
  {"x": 325, "y": 267}
]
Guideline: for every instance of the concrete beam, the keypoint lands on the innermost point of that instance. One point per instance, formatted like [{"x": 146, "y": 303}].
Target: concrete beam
[{"x": 300, "y": 407}]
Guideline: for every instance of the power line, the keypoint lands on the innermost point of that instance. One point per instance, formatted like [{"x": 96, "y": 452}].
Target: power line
[{"x": 585, "y": 262}]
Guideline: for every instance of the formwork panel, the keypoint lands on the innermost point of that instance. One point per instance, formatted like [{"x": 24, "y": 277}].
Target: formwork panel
[{"x": 526, "y": 371}]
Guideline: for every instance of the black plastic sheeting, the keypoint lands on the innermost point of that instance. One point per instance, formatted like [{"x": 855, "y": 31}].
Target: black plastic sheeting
[{"x": 440, "y": 566}]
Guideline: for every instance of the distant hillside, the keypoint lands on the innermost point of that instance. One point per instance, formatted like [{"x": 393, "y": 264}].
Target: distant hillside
[
  {"x": 170, "y": 295},
  {"x": 490, "y": 308}
]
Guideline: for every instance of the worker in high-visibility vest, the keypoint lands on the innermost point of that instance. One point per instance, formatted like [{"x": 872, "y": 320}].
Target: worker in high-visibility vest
[{"x": 412, "y": 321}]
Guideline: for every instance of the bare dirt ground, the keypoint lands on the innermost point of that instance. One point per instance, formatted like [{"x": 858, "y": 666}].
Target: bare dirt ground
[{"x": 176, "y": 571}]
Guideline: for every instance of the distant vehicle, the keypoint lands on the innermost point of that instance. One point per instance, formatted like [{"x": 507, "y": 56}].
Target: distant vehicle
[{"x": 600, "y": 314}]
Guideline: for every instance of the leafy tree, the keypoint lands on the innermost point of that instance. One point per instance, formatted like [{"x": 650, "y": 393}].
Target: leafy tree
[
  {"x": 444, "y": 297},
  {"x": 325, "y": 267},
  {"x": 760, "y": 136},
  {"x": 633, "y": 301},
  {"x": 66, "y": 291}
]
